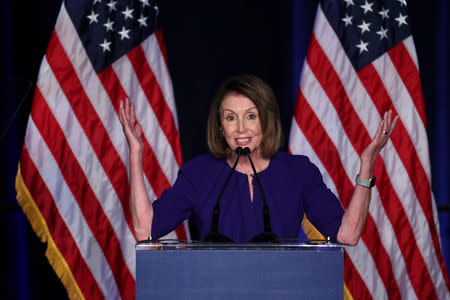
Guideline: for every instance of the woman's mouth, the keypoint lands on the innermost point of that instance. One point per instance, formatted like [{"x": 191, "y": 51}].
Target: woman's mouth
[{"x": 243, "y": 141}]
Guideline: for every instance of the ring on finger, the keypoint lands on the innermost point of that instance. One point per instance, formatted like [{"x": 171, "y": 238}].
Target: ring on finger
[{"x": 384, "y": 132}]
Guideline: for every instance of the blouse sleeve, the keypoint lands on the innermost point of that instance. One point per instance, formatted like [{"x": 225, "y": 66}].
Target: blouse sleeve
[
  {"x": 173, "y": 207},
  {"x": 322, "y": 207}
]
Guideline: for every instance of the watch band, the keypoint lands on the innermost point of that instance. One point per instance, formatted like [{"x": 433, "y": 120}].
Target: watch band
[{"x": 368, "y": 183}]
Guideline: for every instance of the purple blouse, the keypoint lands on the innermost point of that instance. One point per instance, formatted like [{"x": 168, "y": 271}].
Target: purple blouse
[{"x": 292, "y": 184}]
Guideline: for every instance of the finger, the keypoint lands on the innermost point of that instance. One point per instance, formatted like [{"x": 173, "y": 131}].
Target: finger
[
  {"x": 391, "y": 123},
  {"x": 380, "y": 129},
  {"x": 121, "y": 112},
  {"x": 127, "y": 110},
  {"x": 387, "y": 117},
  {"x": 385, "y": 130},
  {"x": 133, "y": 114},
  {"x": 139, "y": 130},
  {"x": 386, "y": 123},
  {"x": 122, "y": 115},
  {"x": 394, "y": 123},
  {"x": 378, "y": 132},
  {"x": 389, "y": 120},
  {"x": 125, "y": 107},
  {"x": 125, "y": 122}
]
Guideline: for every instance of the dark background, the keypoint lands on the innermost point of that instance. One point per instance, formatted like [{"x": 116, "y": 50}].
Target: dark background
[{"x": 207, "y": 41}]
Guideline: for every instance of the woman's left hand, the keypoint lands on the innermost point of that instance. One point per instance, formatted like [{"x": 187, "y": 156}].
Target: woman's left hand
[
  {"x": 356, "y": 212},
  {"x": 380, "y": 139}
]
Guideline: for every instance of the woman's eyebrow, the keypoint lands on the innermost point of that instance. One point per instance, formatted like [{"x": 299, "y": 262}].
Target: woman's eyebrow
[{"x": 224, "y": 109}]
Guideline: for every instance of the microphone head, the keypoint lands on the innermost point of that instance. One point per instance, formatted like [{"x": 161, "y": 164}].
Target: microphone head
[
  {"x": 246, "y": 150},
  {"x": 239, "y": 150}
]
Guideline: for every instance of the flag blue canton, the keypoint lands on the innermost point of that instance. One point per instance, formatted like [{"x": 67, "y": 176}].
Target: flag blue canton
[
  {"x": 109, "y": 29},
  {"x": 367, "y": 29}
]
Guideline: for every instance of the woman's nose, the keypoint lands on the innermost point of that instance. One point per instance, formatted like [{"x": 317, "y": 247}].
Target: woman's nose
[{"x": 241, "y": 125}]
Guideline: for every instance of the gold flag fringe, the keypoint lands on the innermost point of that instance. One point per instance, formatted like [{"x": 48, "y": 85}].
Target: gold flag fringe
[
  {"x": 313, "y": 234},
  {"x": 39, "y": 226}
]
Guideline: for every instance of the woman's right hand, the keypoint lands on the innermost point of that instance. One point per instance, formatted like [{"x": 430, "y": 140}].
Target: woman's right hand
[
  {"x": 131, "y": 128},
  {"x": 140, "y": 205}
]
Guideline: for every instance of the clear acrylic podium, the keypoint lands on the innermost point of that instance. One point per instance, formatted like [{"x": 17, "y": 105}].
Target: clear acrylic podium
[{"x": 170, "y": 270}]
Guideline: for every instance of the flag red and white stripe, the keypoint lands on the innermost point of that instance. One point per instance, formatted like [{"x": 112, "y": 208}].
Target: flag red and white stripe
[
  {"x": 337, "y": 112},
  {"x": 73, "y": 180}
]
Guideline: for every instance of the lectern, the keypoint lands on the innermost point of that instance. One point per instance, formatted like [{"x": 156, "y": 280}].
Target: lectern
[{"x": 170, "y": 270}]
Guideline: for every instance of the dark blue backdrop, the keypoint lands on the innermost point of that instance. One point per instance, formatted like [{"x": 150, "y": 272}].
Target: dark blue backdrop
[{"x": 206, "y": 42}]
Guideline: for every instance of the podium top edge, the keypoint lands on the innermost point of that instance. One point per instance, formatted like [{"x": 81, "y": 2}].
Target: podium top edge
[{"x": 148, "y": 245}]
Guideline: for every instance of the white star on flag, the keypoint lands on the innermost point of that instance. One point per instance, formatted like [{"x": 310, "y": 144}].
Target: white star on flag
[
  {"x": 128, "y": 13},
  {"x": 347, "y": 20},
  {"x": 367, "y": 7},
  {"x": 362, "y": 46},
  {"x": 92, "y": 17},
  {"x": 364, "y": 27},
  {"x": 124, "y": 33},
  {"x": 109, "y": 25},
  {"x": 349, "y": 2},
  {"x": 144, "y": 3},
  {"x": 112, "y": 5},
  {"x": 401, "y": 19},
  {"x": 382, "y": 33},
  {"x": 384, "y": 13},
  {"x": 105, "y": 45},
  {"x": 142, "y": 21}
]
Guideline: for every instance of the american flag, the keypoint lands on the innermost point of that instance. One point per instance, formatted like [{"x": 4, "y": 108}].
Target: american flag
[
  {"x": 73, "y": 178},
  {"x": 362, "y": 62}
]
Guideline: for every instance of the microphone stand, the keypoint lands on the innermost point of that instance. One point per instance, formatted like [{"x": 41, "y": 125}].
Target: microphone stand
[
  {"x": 267, "y": 235},
  {"x": 214, "y": 236}
]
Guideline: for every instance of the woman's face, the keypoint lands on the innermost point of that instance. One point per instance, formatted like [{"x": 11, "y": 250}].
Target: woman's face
[{"x": 240, "y": 122}]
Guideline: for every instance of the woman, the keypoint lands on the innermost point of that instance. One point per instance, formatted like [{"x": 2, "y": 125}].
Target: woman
[{"x": 244, "y": 113}]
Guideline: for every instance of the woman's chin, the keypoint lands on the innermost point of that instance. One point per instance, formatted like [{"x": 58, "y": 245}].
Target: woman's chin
[{"x": 243, "y": 146}]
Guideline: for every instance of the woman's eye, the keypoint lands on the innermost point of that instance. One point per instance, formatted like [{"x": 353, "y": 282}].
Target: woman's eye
[
  {"x": 251, "y": 116},
  {"x": 229, "y": 117}
]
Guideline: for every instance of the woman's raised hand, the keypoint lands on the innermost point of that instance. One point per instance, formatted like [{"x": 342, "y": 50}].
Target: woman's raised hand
[
  {"x": 131, "y": 128},
  {"x": 380, "y": 139},
  {"x": 140, "y": 205},
  {"x": 356, "y": 212}
]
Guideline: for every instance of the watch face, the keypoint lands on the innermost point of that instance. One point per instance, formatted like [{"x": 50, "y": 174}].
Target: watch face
[{"x": 372, "y": 181}]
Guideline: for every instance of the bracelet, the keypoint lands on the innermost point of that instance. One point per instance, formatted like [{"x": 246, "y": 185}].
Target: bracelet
[{"x": 368, "y": 183}]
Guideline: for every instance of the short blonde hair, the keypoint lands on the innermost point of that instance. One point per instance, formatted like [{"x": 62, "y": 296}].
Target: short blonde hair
[{"x": 264, "y": 99}]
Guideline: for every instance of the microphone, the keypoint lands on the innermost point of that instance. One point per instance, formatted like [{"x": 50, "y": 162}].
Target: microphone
[
  {"x": 239, "y": 151},
  {"x": 214, "y": 236},
  {"x": 267, "y": 235}
]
